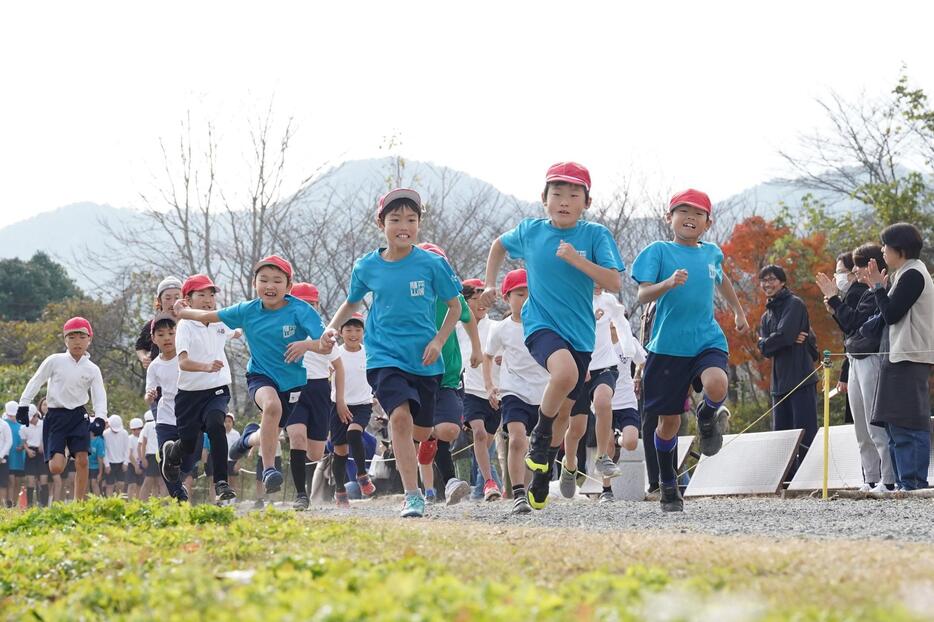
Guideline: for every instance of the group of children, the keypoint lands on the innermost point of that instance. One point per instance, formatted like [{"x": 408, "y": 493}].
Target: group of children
[{"x": 565, "y": 349}]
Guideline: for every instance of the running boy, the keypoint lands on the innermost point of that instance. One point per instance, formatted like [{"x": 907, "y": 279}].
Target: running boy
[
  {"x": 565, "y": 258},
  {"x": 203, "y": 387},
  {"x": 307, "y": 426},
  {"x": 71, "y": 376},
  {"x": 277, "y": 326},
  {"x": 688, "y": 348},
  {"x": 522, "y": 383},
  {"x": 350, "y": 416},
  {"x": 403, "y": 344}
]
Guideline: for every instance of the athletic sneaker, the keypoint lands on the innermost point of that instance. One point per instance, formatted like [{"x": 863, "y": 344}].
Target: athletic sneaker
[
  {"x": 414, "y": 506},
  {"x": 521, "y": 505},
  {"x": 259, "y": 504},
  {"x": 883, "y": 488},
  {"x": 240, "y": 448},
  {"x": 427, "y": 450},
  {"x": 171, "y": 462},
  {"x": 455, "y": 491},
  {"x": 605, "y": 467},
  {"x": 867, "y": 487},
  {"x": 272, "y": 480},
  {"x": 537, "y": 456},
  {"x": 567, "y": 482},
  {"x": 182, "y": 495},
  {"x": 538, "y": 491},
  {"x": 301, "y": 503},
  {"x": 367, "y": 487},
  {"x": 671, "y": 499},
  {"x": 224, "y": 493},
  {"x": 431, "y": 496},
  {"x": 341, "y": 499},
  {"x": 491, "y": 491},
  {"x": 606, "y": 497},
  {"x": 708, "y": 428}
]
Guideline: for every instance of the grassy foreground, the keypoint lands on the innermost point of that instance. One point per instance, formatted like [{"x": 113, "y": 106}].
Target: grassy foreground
[{"x": 107, "y": 559}]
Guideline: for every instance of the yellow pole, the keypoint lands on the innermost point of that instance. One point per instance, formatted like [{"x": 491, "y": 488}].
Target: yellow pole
[{"x": 826, "y": 364}]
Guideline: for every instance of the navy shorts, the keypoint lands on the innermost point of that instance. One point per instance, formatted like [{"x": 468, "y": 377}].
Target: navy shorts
[
  {"x": 545, "y": 342},
  {"x": 607, "y": 376},
  {"x": 36, "y": 466},
  {"x": 626, "y": 417},
  {"x": 288, "y": 399},
  {"x": 192, "y": 408},
  {"x": 666, "y": 380},
  {"x": 478, "y": 408},
  {"x": 259, "y": 467},
  {"x": 152, "y": 467},
  {"x": 63, "y": 427},
  {"x": 449, "y": 406},
  {"x": 361, "y": 416},
  {"x": 514, "y": 409},
  {"x": 313, "y": 409},
  {"x": 132, "y": 477},
  {"x": 117, "y": 474},
  {"x": 393, "y": 387}
]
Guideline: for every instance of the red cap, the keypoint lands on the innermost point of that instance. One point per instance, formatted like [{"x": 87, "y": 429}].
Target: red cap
[
  {"x": 694, "y": 198},
  {"x": 306, "y": 292},
  {"x": 197, "y": 282},
  {"x": 276, "y": 262},
  {"x": 432, "y": 248},
  {"x": 398, "y": 193},
  {"x": 514, "y": 279},
  {"x": 476, "y": 283},
  {"x": 571, "y": 172},
  {"x": 77, "y": 325}
]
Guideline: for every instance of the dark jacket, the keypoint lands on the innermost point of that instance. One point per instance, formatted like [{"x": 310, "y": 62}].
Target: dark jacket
[
  {"x": 852, "y": 319},
  {"x": 785, "y": 316},
  {"x": 850, "y": 300}
]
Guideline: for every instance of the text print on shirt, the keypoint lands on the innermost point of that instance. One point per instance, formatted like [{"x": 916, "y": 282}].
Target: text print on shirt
[
  {"x": 416, "y": 288},
  {"x": 288, "y": 330}
]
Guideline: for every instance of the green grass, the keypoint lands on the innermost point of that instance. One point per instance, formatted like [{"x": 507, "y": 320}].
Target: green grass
[{"x": 107, "y": 559}]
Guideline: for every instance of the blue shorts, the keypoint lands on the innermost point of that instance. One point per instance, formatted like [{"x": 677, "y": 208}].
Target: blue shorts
[
  {"x": 193, "y": 407},
  {"x": 666, "y": 380},
  {"x": 393, "y": 387},
  {"x": 449, "y": 406},
  {"x": 514, "y": 409},
  {"x": 288, "y": 399},
  {"x": 313, "y": 409},
  {"x": 361, "y": 416},
  {"x": 626, "y": 417},
  {"x": 65, "y": 427},
  {"x": 478, "y": 408},
  {"x": 545, "y": 342},
  {"x": 607, "y": 376}
]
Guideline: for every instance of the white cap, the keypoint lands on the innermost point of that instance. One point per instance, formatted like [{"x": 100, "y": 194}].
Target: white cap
[
  {"x": 136, "y": 423},
  {"x": 231, "y": 415},
  {"x": 116, "y": 423},
  {"x": 11, "y": 408},
  {"x": 169, "y": 282},
  {"x": 148, "y": 416}
]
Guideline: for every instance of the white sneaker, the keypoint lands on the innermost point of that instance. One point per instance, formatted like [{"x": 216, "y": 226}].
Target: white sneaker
[
  {"x": 882, "y": 488},
  {"x": 866, "y": 487},
  {"x": 456, "y": 491},
  {"x": 605, "y": 467}
]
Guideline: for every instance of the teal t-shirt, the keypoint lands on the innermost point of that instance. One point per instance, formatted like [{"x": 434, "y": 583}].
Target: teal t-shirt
[
  {"x": 269, "y": 332},
  {"x": 16, "y": 461},
  {"x": 451, "y": 352},
  {"x": 560, "y": 295},
  {"x": 684, "y": 316},
  {"x": 96, "y": 452},
  {"x": 401, "y": 320}
]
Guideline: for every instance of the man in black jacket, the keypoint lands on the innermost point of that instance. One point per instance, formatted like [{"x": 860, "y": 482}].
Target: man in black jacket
[{"x": 785, "y": 337}]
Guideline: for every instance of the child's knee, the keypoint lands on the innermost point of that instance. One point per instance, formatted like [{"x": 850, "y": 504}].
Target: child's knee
[
  {"x": 480, "y": 437},
  {"x": 81, "y": 460}
]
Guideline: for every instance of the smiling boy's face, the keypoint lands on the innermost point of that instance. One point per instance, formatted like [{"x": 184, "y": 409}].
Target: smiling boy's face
[
  {"x": 271, "y": 285},
  {"x": 400, "y": 226},
  {"x": 564, "y": 203},
  {"x": 688, "y": 223}
]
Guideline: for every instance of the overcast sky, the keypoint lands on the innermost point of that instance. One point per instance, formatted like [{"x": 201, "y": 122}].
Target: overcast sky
[{"x": 696, "y": 94}]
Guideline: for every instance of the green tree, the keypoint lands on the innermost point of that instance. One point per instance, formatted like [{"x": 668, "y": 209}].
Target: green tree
[{"x": 26, "y": 287}]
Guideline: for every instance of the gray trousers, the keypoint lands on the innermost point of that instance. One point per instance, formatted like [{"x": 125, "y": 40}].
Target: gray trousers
[{"x": 873, "y": 441}]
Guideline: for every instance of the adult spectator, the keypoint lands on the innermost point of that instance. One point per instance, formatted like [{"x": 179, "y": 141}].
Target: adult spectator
[
  {"x": 785, "y": 337},
  {"x": 863, "y": 378},
  {"x": 903, "y": 403},
  {"x": 168, "y": 291}
]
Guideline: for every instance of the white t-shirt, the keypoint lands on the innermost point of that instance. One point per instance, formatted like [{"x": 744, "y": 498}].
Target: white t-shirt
[
  {"x": 31, "y": 434},
  {"x": 627, "y": 353},
  {"x": 134, "y": 448},
  {"x": 152, "y": 440},
  {"x": 165, "y": 374},
  {"x": 203, "y": 343},
  {"x": 232, "y": 437},
  {"x": 607, "y": 309},
  {"x": 473, "y": 376},
  {"x": 356, "y": 388},
  {"x": 116, "y": 446},
  {"x": 318, "y": 366},
  {"x": 521, "y": 375}
]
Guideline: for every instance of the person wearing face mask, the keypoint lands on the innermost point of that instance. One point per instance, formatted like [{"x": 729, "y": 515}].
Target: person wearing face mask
[
  {"x": 848, "y": 290},
  {"x": 863, "y": 366}
]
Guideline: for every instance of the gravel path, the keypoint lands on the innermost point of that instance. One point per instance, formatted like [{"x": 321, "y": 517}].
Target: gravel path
[{"x": 889, "y": 519}]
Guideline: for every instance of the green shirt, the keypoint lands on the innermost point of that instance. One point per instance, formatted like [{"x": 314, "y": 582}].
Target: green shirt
[{"x": 451, "y": 352}]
